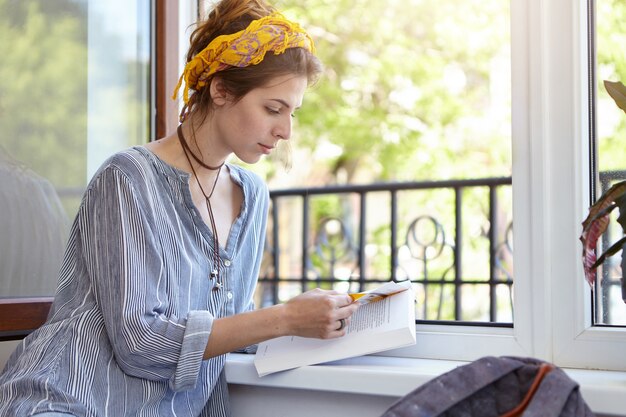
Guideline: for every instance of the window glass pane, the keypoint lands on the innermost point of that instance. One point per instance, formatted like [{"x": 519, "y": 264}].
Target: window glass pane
[
  {"x": 610, "y": 38},
  {"x": 414, "y": 91},
  {"x": 74, "y": 88}
]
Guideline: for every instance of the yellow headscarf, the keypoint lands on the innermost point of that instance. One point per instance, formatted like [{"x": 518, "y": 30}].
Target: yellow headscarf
[{"x": 241, "y": 49}]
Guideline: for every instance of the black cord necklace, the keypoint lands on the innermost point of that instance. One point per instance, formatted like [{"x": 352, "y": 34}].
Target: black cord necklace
[
  {"x": 186, "y": 148},
  {"x": 215, "y": 272}
]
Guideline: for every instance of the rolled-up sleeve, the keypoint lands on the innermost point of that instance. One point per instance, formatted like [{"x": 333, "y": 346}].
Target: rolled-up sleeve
[{"x": 192, "y": 350}]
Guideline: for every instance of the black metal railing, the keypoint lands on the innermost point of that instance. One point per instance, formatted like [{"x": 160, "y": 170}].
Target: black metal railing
[
  {"x": 335, "y": 248},
  {"x": 452, "y": 239}
]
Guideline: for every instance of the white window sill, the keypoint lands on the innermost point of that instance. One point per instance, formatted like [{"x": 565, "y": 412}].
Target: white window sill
[{"x": 604, "y": 391}]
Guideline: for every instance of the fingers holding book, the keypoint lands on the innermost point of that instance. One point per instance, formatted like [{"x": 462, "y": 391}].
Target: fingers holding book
[
  {"x": 349, "y": 334},
  {"x": 345, "y": 316},
  {"x": 320, "y": 314},
  {"x": 342, "y": 324}
]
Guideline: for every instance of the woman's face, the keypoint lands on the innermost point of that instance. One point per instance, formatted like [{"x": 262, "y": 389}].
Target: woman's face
[{"x": 253, "y": 126}]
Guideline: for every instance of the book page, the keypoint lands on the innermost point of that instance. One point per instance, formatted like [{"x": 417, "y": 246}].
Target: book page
[
  {"x": 376, "y": 326},
  {"x": 371, "y": 316}
]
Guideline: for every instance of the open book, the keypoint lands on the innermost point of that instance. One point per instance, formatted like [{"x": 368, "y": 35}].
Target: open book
[{"x": 385, "y": 320}]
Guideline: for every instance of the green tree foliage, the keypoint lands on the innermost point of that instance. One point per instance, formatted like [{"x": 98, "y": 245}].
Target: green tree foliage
[
  {"x": 611, "y": 64},
  {"x": 43, "y": 87},
  {"x": 413, "y": 89}
]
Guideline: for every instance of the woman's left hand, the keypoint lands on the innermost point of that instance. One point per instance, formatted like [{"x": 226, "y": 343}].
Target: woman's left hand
[{"x": 318, "y": 313}]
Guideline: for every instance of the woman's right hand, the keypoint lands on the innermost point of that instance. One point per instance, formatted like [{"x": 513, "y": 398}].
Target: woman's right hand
[{"x": 318, "y": 313}]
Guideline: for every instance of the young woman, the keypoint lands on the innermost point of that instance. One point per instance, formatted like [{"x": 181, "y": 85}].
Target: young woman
[{"x": 161, "y": 265}]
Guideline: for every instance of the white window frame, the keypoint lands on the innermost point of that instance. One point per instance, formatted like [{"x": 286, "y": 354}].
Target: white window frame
[
  {"x": 552, "y": 301},
  {"x": 550, "y": 199},
  {"x": 576, "y": 343}
]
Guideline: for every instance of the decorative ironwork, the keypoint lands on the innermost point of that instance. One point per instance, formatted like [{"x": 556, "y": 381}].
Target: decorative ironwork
[
  {"x": 333, "y": 244},
  {"x": 350, "y": 248},
  {"x": 426, "y": 245}
]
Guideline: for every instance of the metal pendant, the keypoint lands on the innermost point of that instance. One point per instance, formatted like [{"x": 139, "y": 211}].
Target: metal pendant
[
  {"x": 218, "y": 286},
  {"x": 213, "y": 274}
]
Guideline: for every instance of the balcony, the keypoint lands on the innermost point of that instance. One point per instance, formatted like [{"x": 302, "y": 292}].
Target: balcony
[
  {"x": 452, "y": 239},
  {"x": 458, "y": 252}
]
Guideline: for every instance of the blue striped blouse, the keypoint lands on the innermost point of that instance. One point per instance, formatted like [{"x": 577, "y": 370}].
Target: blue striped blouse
[{"x": 134, "y": 306}]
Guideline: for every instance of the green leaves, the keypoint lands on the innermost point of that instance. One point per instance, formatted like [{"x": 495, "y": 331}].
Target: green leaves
[
  {"x": 409, "y": 86},
  {"x": 43, "y": 87}
]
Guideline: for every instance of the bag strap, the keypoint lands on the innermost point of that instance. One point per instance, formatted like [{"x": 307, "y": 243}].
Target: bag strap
[
  {"x": 517, "y": 411},
  {"x": 555, "y": 392}
]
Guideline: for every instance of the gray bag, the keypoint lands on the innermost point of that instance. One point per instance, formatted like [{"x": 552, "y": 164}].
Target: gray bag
[{"x": 496, "y": 387}]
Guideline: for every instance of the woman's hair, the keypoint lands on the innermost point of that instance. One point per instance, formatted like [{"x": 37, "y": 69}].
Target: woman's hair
[{"x": 230, "y": 16}]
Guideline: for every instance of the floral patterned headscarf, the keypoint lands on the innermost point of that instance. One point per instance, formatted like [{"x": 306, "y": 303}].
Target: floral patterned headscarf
[{"x": 241, "y": 49}]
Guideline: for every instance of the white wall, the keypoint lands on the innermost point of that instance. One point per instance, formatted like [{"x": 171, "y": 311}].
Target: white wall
[{"x": 279, "y": 402}]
